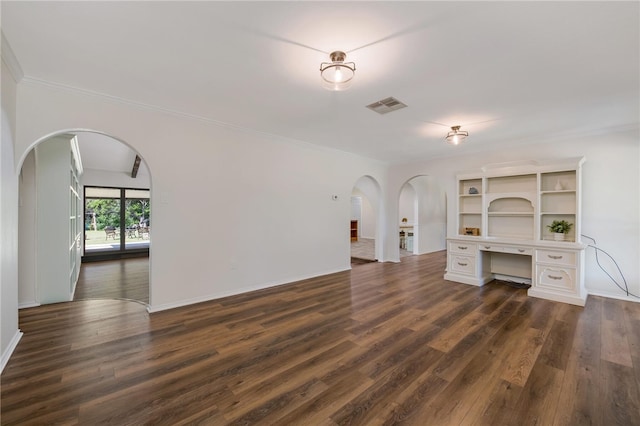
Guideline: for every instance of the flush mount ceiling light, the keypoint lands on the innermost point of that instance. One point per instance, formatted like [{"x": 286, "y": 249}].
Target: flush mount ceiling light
[
  {"x": 337, "y": 74},
  {"x": 455, "y": 136}
]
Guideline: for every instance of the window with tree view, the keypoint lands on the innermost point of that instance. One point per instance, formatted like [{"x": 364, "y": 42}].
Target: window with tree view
[{"x": 116, "y": 219}]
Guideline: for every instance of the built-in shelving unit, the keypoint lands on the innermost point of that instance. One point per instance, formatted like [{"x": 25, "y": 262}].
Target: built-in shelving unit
[
  {"x": 75, "y": 215},
  {"x": 503, "y": 214},
  {"x": 58, "y": 218}
]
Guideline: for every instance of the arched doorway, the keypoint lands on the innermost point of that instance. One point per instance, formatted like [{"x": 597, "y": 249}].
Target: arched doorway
[
  {"x": 422, "y": 202},
  {"x": 51, "y": 211},
  {"x": 365, "y": 221}
]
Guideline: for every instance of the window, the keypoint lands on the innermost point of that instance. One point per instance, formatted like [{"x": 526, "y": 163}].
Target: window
[{"x": 117, "y": 220}]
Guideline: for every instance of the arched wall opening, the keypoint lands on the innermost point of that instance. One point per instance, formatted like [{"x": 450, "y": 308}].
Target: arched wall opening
[
  {"x": 422, "y": 201},
  {"x": 366, "y": 211},
  {"x": 47, "y": 166}
]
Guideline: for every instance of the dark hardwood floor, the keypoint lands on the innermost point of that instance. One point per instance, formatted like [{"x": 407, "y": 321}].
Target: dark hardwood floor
[
  {"x": 114, "y": 279},
  {"x": 382, "y": 344}
]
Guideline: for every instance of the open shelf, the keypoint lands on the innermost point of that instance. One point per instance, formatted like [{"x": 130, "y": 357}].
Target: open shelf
[
  {"x": 466, "y": 185},
  {"x": 558, "y": 181},
  {"x": 558, "y": 201}
]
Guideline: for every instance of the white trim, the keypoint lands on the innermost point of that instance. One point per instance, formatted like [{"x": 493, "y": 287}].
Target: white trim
[
  {"x": 535, "y": 140},
  {"x": 25, "y": 305},
  {"x": 9, "y": 351},
  {"x": 76, "y": 154},
  {"x": 556, "y": 297},
  {"x": 613, "y": 296},
  {"x": 467, "y": 279},
  {"x": 207, "y": 298},
  {"x": 9, "y": 58},
  {"x": 145, "y": 106}
]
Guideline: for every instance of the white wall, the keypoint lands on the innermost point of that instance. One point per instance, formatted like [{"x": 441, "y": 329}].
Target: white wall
[
  {"x": 27, "y": 292},
  {"x": 264, "y": 203},
  {"x": 407, "y": 203},
  {"x": 9, "y": 332},
  {"x": 610, "y": 202},
  {"x": 369, "y": 190},
  {"x": 92, "y": 177},
  {"x": 369, "y": 221},
  {"x": 430, "y": 229},
  {"x": 367, "y": 215}
]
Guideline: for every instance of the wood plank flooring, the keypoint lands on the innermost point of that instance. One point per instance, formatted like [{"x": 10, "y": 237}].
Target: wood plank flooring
[
  {"x": 382, "y": 344},
  {"x": 114, "y": 279}
]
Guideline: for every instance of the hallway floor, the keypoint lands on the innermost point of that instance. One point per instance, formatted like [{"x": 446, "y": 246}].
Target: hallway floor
[
  {"x": 364, "y": 248},
  {"x": 114, "y": 279}
]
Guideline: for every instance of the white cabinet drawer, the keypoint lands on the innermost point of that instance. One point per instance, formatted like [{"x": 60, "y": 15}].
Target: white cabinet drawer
[
  {"x": 506, "y": 249},
  {"x": 463, "y": 248},
  {"x": 556, "y": 257},
  {"x": 462, "y": 264},
  {"x": 553, "y": 278},
  {"x": 519, "y": 250}
]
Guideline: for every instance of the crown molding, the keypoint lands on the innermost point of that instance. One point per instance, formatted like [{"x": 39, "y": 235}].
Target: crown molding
[
  {"x": 9, "y": 58},
  {"x": 598, "y": 131},
  {"x": 141, "y": 105}
]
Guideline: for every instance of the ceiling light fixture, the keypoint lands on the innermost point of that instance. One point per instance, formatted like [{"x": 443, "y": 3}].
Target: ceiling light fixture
[
  {"x": 337, "y": 74},
  {"x": 455, "y": 136}
]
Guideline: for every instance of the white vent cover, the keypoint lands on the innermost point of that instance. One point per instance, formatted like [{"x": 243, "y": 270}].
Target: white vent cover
[{"x": 386, "y": 105}]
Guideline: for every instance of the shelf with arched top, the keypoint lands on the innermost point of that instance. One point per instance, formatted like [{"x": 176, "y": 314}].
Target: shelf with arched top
[{"x": 511, "y": 216}]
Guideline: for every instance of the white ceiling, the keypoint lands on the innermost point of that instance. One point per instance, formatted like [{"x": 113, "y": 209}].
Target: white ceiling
[
  {"x": 508, "y": 72},
  {"x": 100, "y": 152}
]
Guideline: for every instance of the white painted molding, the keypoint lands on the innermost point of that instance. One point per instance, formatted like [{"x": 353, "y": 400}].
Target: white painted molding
[
  {"x": 9, "y": 351},
  {"x": 155, "y": 108},
  {"x": 76, "y": 153},
  {"x": 157, "y": 308},
  {"x": 9, "y": 58},
  {"x": 28, "y": 305},
  {"x": 613, "y": 296}
]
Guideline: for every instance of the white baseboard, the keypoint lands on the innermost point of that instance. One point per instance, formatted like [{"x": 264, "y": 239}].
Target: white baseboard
[
  {"x": 207, "y": 298},
  {"x": 9, "y": 351},
  {"x": 613, "y": 296},
  {"x": 556, "y": 297},
  {"x": 466, "y": 279},
  {"x": 28, "y": 305}
]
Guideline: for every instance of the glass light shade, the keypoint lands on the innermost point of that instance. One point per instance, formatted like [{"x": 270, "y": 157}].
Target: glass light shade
[
  {"x": 337, "y": 74},
  {"x": 455, "y": 136}
]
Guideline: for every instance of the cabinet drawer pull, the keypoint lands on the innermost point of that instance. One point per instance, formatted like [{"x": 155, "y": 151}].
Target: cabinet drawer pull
[
  {"x": 554, "y": 277},
  {"x": 521, "y": 250},
  {"x": 554, "y": 257},
  {"x": 462, "y": 264},
  {"x": 463, "y": 247},
  {"x": 487, "y": 247}
]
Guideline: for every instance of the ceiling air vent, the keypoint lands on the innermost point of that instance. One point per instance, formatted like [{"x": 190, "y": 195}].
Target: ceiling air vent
[{"x": 386, "y": 105}]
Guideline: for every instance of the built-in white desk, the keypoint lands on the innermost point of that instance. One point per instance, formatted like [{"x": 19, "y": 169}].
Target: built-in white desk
[{"x": 554, "y": 269}]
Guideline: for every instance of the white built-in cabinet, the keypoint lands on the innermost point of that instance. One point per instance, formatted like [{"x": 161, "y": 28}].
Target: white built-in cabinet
[
  {"x": 503, "y": 213},
  {"x": 59, "y": 218}
]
